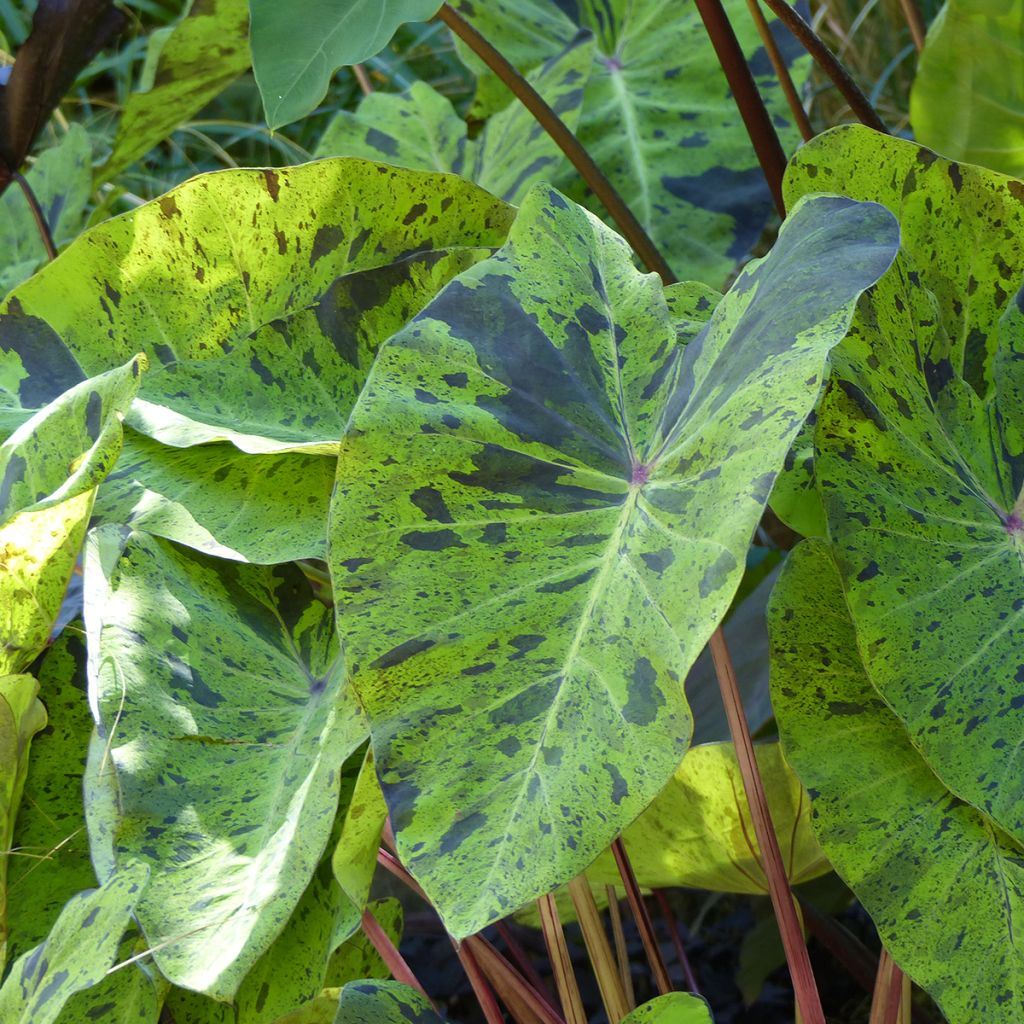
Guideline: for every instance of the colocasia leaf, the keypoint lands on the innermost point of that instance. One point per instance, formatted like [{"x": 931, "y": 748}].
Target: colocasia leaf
[{"x": 542, "y": 512}]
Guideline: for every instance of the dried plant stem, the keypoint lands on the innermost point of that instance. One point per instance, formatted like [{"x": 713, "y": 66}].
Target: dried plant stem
[
  {"x": 796, "y": 108},
  {"x": 388, "y": 952},
  {"x": 606, "y": 970},
  {"x": 914, "y": 22},
  {"x": 561, "y": 964},
  {"x": 642, "y": 918},
  {"x": 805, "y": 990},
  {"x": 621, "y": 953},
  {"x": 37, "y": 215},
  {"x": 829, "y": 63},
  {"x": 362, "y": 78},
  {"x": 632, "y": 230}
]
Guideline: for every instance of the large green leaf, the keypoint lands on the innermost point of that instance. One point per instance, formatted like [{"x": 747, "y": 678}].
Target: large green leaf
[
  {"x": 260, "y": 296},
  {"x": 420, "y": 128},
  {"x": 674, "y": 1008},
  {"x": 61, "y": 179},
  {"x": 967, "y": 101},
  {"x": 920, "y": 474},
  {"x": 943, "y": 884},
  {"x": 49, "y": 470},
  {"x": 187, "y": 65},
  {"x": 698, "y": 832},
  {"x": 52, "y": 859},
  {"x": 384, "y": 1002},
  {"x": 76, "y": 954},
  {"x": 297, "y": 48},
  {"x": 658, "y": 117},
  {"x": 222, "y": 696},
  {"x": 542, "y": 512},
  {"x": 21, "y": 717},
  {"x": 252, "y": 508}
]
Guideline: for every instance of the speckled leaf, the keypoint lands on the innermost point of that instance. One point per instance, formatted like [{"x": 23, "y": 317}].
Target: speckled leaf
[
  {"x": 222, "y": 695},
  {"x": 21, "y": 717},
  {"x": 61, "y": 178},
  {"x": 920, "y": 478},
  {"x": 658, "y": 117},
  {"x": 944, "y": 886},
  {"x": 52, "y": 862},
  {"x": 260, "y": 296},
  {"x": 296, "y": 48},
  {"x": 967, "y": 100},
  {"x": 187, "y": 65},
  {"x": 251, "y": 508},
  {"x": 357, "y": 958},
  {"x": 383, "y": 1002},
  {"x": 698, "y": 832},
  {"x": 49, "y": 469},
  {"x": 674, "y": 1008},
  {"x": 419, "y": 128},
  {"x": 542, "y": 512},
  {"x": 76, "y": 954},
  {"x": 961, "y": 232},
  {"x": 355, "y": 855}
]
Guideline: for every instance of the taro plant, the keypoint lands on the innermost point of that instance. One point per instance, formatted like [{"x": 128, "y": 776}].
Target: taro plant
[{"x": 367, "y": 518}]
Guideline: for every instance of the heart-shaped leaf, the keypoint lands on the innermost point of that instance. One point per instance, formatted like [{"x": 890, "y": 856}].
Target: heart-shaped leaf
[
  {"x": 943, "y": 884},
  {"x": 542, "y": 512},
  {"x": 221, "y": 696}
]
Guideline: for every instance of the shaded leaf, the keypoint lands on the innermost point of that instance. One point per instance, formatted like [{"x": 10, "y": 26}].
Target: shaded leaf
[
  {"x": 222, "y": 695},
  {"x": 542, "y": 512},
  {"x": 187, "y": 66},
  {"x": 61, "y": 180},
  {"x": 658, "y": 117},
  {"x": 967, "y": 101},
  {"x": 296, "y": 50},
  {"x": 420, "y": 128},
  {"x": 78, "y": 951},
  {"x": 383, "y": 1002},
  {"x": 260, "y": 296},
  {"x": 698, "y": 832},
  {"x": 252, "y": 508},
  {"x": 65, "y": 36},
  {"x": 944, "y": 886}
]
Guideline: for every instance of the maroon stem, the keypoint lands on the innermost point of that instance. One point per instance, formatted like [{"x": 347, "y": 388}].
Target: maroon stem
[
  {"x": 388, "y": 952},
  {"x": 677, "y": 941},
  {"x": 755, "y": 115},
  {"x": 642, "y": 918},
  {"x": 37, "y": 214}
]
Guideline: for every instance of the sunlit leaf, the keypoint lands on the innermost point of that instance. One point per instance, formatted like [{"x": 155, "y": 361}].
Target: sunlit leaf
[
  {"x": 383, "y": 1002},
  {"x": 674, "y": 1008}
]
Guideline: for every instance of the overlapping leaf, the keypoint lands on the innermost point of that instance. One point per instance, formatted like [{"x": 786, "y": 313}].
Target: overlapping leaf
[
  {"x": 542, "y": 512},
  {"x": 420, "y": 129},
  {"x": 187, "y": 65},
  {"x": 658, "y": 117},
  {"x": 49, "y": 470},
  {"x": 253, "y": 508},
  {"x": 967, "y": 101},
  {"x": 296, "y": 48},
  {"x": 76, "y": 954},
  {"x": 920, "y": 474},
  {"x": 698, "y": 832},
  {"x": 384, "y": 1002},
  {"x": 259, "y": 296},
  {"x": 222, "y": 698},
  {"x": 943, "y": 884}
]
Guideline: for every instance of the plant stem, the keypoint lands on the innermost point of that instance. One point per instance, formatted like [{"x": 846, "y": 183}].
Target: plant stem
[
  {"x": 362, "y": 78},
  {"x": 759, "y": 125},
  {"x": 914, "y": 23},
  {"x": 621, "y": 953},
  {"x": 388, "y": 952},
  {"x": 796, "y": 108},
  {"x": 602, "y": 961},
  {"x": 37, "y": 213},
  {"x": 522, "y": 961},
  {"x": 673, "y": 928},
  {"x": 561, "y": 964},
  {"x": 805, "y": 990},
  {"x": 829, "y": 63},
  {"x": 523, "y": 1000},
  {"x": 484, "y": 995},
  {"x": 632, "y": 230},
  {"x": 642, "y": 918}
]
